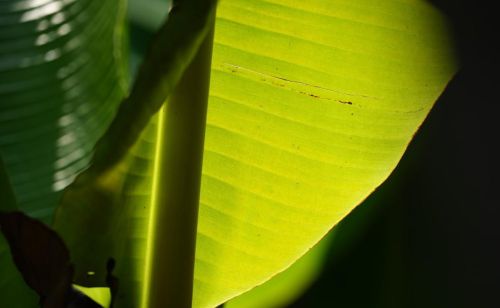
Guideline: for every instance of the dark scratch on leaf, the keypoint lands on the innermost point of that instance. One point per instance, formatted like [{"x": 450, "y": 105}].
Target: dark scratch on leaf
[
  {"x": 273, "y": 79},
  {"x": 411, "y": 111},
  {"x": 345, "y": 102}
]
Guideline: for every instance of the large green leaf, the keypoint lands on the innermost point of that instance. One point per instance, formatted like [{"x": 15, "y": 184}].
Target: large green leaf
[{"x": 312, "y": 104}]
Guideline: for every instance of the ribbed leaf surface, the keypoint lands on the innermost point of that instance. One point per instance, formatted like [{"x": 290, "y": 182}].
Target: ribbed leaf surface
[
  {"x": 62, "y": 74},
  {"x": 312, "y": 105},
  {"x": 61, "y": 77}
]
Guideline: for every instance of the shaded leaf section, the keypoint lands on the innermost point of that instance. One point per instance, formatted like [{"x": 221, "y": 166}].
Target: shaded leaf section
[
  {"x": 171, "y": 51},
  {"x": 7, "y": 198},
  {"x": 14, "y": 289},
  {"x": 44, "y": 262},
  {"x": 96, "y": 196},
  {"x": 62, "y": 74},
  {"x": 41, "y": 257}
]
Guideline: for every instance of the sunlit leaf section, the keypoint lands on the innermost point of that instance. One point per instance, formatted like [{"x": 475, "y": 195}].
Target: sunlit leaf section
[{"x": 312, "y": 104}]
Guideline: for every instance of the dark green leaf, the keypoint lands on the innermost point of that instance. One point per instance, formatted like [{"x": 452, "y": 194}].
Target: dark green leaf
[
  {"x": 41, "y": 257},
  {"x": 7, "y": 199}
]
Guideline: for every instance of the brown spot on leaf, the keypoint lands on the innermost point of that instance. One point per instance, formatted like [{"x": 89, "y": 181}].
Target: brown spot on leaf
[{"x": 345, "y": 102}]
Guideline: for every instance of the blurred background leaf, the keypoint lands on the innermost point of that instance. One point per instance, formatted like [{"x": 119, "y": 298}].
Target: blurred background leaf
[
  {"x": 63, "y": 70},
  {"x": 7, "y": 198},
  {"x": 62, "y": 74}
]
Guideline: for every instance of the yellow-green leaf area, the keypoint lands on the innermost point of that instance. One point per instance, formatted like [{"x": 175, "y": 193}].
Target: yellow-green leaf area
[
  {"x": 312, "y": 104},
  {"x": 287, "y": 286},
  {"x": 101, "y": 296}
]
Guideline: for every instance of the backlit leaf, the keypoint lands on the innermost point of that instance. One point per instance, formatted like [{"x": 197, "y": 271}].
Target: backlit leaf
[{"x": 312, "y": 104}]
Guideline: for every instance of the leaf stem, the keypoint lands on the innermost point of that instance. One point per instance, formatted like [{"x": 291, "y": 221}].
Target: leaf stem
[{"x": 170, "y": 272}]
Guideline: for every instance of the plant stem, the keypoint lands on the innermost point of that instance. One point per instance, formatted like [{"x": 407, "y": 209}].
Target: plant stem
[{"x": 175, "y": 213}]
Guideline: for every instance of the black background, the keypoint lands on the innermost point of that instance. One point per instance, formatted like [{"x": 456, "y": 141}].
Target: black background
[{"x": 433, "y": 237}]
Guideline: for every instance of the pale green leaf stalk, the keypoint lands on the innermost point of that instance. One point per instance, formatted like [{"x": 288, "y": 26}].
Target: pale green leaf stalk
[{"x": 174, "y": 213}]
